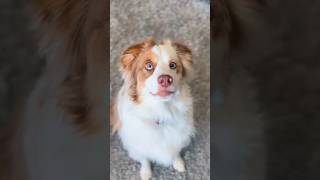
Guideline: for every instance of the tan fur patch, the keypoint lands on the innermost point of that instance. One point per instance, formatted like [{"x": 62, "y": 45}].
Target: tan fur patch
[
  {"x": 132, "y": 65},
  {"x": 115, "y": 123}
]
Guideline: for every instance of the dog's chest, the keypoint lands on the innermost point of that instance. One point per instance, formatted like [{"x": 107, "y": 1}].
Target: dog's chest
[{"x": 164, "y": 125}]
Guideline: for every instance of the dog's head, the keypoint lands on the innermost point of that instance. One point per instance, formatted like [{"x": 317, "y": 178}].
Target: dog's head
[{"x": 155, "y": 71}]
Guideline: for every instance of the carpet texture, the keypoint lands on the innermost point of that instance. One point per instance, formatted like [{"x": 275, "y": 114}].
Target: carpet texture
[{"x": 184, "y": 20}]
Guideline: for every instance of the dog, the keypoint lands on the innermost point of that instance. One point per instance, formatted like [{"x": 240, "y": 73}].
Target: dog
[{"x": 153, "y": 111}]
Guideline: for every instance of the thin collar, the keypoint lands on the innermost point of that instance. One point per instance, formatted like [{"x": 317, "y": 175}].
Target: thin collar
[{"x": 153, "y": 122}]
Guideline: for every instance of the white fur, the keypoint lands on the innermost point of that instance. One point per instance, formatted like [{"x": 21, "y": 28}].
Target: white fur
[
  {"x": 142, "y": 137},
  {"x": 146, "y": 140}
]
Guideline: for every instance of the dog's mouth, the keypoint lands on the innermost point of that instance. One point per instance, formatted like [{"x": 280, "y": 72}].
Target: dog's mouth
[{"x": 162, "y": 93}]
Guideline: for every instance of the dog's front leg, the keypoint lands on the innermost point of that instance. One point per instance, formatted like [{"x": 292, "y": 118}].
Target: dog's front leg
[
  {"x": 178, "y": 164},
  {"x": 145, "y": 171}
]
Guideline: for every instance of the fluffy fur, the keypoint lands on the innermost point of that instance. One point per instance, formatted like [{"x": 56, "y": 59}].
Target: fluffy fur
[
  {"x": 73, "y": 38},
  {"x": 265, "y": 55},
  {"x": 154, "y": 127},
  {"x": 63, "y": 118},
  {"x": 238, "y": 130}
]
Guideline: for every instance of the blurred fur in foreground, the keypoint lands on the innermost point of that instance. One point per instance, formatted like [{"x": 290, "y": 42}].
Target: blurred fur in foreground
[
  {"x": 266, "y": 79},
  {"x": 62, "y": 120}
]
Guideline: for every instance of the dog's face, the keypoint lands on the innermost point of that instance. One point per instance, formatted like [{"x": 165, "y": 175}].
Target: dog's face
[{"x": 155, "y": 71}]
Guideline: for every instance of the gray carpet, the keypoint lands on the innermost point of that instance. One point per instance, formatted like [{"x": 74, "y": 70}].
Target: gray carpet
[{"x": 184, "y": 20}]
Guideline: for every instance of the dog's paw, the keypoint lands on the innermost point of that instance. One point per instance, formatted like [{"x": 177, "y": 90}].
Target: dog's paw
[
  {"x": 179, "y": 165},
  {"x": 145, "y": 174},
  {"x": 145, "y": 171}
]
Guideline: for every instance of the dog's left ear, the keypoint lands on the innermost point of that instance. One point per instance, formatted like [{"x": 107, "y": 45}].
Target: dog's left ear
[{"x": 185, "y": 56}]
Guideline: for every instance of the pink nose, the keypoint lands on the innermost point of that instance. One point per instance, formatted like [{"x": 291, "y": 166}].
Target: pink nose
[{"x": 165, "y": 81}]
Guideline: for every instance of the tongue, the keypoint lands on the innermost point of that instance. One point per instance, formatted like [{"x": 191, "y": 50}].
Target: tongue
[{"x": 163, "y": 93}]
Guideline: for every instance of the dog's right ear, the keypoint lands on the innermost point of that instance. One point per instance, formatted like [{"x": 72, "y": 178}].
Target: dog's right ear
[{"x": 129, "y": 56}]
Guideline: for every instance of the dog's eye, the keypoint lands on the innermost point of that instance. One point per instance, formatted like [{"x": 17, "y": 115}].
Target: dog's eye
[
  {"x": 149, "y": 66},
  {"x": 173, "y": 65}
]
